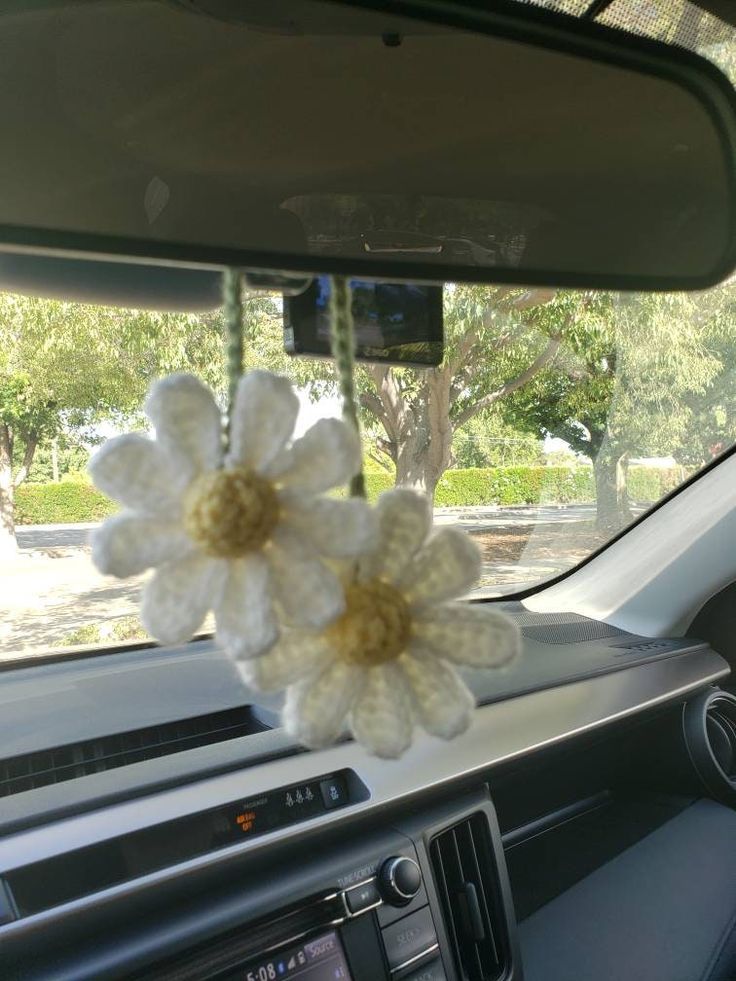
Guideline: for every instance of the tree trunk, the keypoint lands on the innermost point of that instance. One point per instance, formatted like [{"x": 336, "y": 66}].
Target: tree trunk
[
  {"x": 411, "y": 458},
  {"x": 424, "y": 443},
  {"x": 439, "y": 429},
  {"x": 612, "y": 501},
  {"x": 55, "y": 460},
  {"x": 28, "y": 454},
  {"x": 8, "y": 543}
]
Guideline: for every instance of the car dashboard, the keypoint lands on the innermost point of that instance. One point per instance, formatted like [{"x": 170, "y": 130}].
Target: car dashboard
[{"x": 249, "y": 859}]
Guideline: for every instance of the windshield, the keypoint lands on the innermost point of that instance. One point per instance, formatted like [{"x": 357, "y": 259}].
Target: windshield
[{"x": 555, "y": 419}]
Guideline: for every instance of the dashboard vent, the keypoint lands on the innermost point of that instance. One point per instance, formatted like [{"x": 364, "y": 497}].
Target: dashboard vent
[
  {"x": 720, "y": 725},
  {"x": 709, "y": 727},
  {"x": 462, "y": 861},
  {"x": 39, "y": 769}
]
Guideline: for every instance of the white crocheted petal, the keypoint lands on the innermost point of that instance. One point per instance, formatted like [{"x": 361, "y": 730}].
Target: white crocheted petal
[
  {"x": 266, "y": 407},
  {"x": 128, "y": 543},
  {"x": 136, "y": 472},
  {"x": 315, "y": 709},
  {"x": 187, "y": 422},
  {"x": 245, "y": 619},
  {"x": 473, "y": 634},
  {"x": 309, "y": 593},
  {"x": 445, "y": 568},
  {"x": 326, "y": 456},
  {"x": 442, "y": 701},
  {"x": 404, "y": 520},
  {"x": 382, "y": 718},
  {"x": 297, "y": 655},
  {"x": 338, "y": 529},
  {"x": 178, "y": 597}
]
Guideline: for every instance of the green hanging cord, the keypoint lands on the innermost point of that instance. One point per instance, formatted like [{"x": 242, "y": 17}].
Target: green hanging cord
[
  {"x": 343, "y": 351},
  {"x": 232, "y": 287}
]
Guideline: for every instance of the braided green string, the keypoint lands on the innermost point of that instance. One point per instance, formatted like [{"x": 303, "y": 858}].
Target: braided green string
[
  {"x": 343, "y": 351},
  {"x": 233, "y": 302}
]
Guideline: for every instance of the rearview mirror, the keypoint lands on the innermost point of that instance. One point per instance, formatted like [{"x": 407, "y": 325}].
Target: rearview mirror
[{"x": 306, "y": 136}]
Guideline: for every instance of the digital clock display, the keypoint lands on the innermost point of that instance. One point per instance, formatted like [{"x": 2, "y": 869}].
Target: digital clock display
[
  {"x": 273, "y": 810},
  {"x": 319, "y": 959}
]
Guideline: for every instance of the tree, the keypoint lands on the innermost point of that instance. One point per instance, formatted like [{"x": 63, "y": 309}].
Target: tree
[
  {"x": 621, "y": 383},
  {"x": 61, "y": 456},
  {"x": 488, "y": 441},
  {"x": 494, "y": 345},
  {"x": 612, "y": 375},
  {"x": 66, "y": 365},
  {"x": 710, "y": 425}
]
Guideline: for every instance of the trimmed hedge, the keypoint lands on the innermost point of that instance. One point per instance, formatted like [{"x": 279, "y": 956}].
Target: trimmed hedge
[
  {"x": 515, "y": 485},
  {"x": 68, "y": 502},
  {"x": 543, "y": 485},
  {"x": 531, "y": 485},
  {"x": 77, "y": 501}
]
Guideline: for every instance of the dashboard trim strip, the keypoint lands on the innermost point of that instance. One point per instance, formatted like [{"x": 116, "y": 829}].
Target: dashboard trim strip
[{"x": 434, "y": 948}]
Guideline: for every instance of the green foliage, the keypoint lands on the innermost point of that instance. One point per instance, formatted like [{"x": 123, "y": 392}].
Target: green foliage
[
  {"x": 515, "y": 485},
  {"x": 72, "y": 458},
  {"x": 541, "y": 485},
  {"x": 487, "y": 441},
  {"x": 637, "y": 375},
  {"x": 119, "y": 631},
  {"x": 67, "y": 365},
  {"x": 381, "y": 465},
  {"x": 77, "y": 501},
  {"x": 88, "y": 633},
  {"x": 509, "y": 486},
  {"x": 67, "y": 502},
  {"x": 376, "y": 483}
]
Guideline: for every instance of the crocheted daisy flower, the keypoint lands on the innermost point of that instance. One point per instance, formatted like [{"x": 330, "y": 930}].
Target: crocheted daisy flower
[
  {"x": 239, "y": 535},
  {"x": 388, "y": 660}
]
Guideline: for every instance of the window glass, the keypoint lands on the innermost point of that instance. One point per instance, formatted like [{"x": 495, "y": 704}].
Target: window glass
[{"x": 556, "y": 418}]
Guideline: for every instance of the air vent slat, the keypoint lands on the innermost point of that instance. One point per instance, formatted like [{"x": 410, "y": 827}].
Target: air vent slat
[
  {"x": 41, "y": 769},
  {"x": 721, "y": 729},
  {"x": 475, "y": 875},
  {"x": 442, "y": 873},
  {"x": 467, "y": 884}
]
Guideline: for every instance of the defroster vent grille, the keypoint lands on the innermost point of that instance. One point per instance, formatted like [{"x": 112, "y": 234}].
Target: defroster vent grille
[{"x": 32, "y": 770}]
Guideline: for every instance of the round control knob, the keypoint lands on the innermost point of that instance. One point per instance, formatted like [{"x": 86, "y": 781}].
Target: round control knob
[{"x": 399, "y": 880}]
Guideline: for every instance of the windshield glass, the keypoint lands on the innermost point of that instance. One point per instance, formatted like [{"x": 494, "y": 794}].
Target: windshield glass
[{"x": 555, "y": 419}]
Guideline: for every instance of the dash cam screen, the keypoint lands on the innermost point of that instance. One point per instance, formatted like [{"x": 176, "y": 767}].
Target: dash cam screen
[{"x": 397, "y": 322}]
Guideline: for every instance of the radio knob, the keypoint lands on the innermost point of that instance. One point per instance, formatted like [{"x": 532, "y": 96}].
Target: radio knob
[{"x": 399, "y": 880}]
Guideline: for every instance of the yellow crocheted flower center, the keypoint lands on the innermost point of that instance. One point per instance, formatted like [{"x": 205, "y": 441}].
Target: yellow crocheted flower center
[
  {"x": 230, "y": 512},
  {"x": 375, "y": 626}
]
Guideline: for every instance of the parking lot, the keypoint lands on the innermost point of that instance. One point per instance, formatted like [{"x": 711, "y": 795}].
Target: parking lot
[{"x": 51, "y": 591}]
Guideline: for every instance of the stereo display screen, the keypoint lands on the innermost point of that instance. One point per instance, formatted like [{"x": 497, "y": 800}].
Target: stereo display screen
[{"x": 319, "y": 959}]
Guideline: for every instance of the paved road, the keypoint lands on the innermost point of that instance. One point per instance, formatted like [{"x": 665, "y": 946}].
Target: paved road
[
  {"x": 473, "y": 519},
  {"x": 52, "y": 536}
]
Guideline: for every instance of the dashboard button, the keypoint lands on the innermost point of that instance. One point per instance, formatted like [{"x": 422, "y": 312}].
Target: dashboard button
[
  {"x": 408, "y": 937},
  {"x": 434, "y": 971},
  {"x": 389, "y": 914},
  {"x": 362, "y": 897},
  {"x": 334, "y": 792}
]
